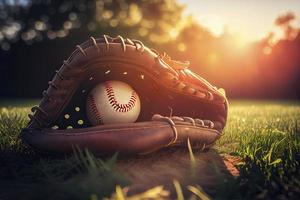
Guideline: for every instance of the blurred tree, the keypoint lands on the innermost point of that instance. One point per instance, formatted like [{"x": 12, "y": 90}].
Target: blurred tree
[
  {"x": 157, "y": 21},
  {"x": 36, "y": 35},
  {"x": 285, "y": 22},
  {"x": 51, "y": 29}
]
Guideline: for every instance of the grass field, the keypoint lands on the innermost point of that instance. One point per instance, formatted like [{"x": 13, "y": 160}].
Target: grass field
[{"x": 263, "y": 136}]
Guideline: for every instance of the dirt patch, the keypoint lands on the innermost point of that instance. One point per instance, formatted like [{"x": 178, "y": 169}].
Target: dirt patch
[
  {"x": 230, "y": 163},
  {"x": 161, "y": 168}
]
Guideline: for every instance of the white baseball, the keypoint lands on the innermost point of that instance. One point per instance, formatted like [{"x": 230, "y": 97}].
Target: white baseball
[{"x": 112, "y": 102}]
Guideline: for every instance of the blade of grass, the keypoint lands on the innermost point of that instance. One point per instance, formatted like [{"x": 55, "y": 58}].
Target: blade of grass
[
  {"x": 178, "y": 190},
  {"x": 198, "y": 191}
]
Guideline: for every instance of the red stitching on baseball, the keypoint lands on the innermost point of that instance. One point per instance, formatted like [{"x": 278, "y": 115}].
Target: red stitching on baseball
[
  {"x": 92, "y": 103},
  {"x": 115, "y": 104}
]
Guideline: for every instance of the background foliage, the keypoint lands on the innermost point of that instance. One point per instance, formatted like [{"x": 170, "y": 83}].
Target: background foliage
[{"x": 35, "y": 36}]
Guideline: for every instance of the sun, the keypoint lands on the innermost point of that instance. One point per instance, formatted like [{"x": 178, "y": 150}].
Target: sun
[
  {"x": 213, "y": 23},
  {"x": 241, "y": 41}
]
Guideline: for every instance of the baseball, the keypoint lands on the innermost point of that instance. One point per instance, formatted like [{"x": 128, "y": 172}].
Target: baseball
[{"x": 112, "y": 102}]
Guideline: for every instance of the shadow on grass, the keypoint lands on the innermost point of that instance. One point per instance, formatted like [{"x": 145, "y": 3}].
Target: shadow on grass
[
  {"x": 32, "y": 176},
  {"x": 161, "y": 168}
]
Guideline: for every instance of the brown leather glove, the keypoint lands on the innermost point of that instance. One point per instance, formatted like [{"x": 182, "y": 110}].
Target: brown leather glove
[{"x": 166, "y": 88}]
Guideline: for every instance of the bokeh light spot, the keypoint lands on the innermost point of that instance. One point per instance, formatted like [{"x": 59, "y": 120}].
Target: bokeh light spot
[
  {"x": 143, "y": 32},
  {"x": 267, "y": 50},
  {"x": 113, "y": 23},
  {"x": 181, "y": 47}
]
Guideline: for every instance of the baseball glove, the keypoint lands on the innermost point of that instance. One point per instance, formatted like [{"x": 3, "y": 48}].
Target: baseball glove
[{"x": 167, "y": 89}]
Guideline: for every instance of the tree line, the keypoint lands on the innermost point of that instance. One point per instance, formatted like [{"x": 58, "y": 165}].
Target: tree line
[{"x": 35, "y": 36}]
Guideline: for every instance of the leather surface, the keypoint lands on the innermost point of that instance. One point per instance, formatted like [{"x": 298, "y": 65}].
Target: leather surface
[
  {"x": 129, "y": 138},
  {"x": 166, "y": 87}
]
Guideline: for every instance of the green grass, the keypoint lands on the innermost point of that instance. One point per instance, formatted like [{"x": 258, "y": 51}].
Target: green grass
[{"x": 265, "y": 135}]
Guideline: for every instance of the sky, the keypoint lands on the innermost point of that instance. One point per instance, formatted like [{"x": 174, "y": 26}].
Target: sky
[{"x": 250, "y": 19}]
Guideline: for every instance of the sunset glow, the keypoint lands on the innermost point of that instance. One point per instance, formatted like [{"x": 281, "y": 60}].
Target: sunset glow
[{"x": 251, "y": 20}]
